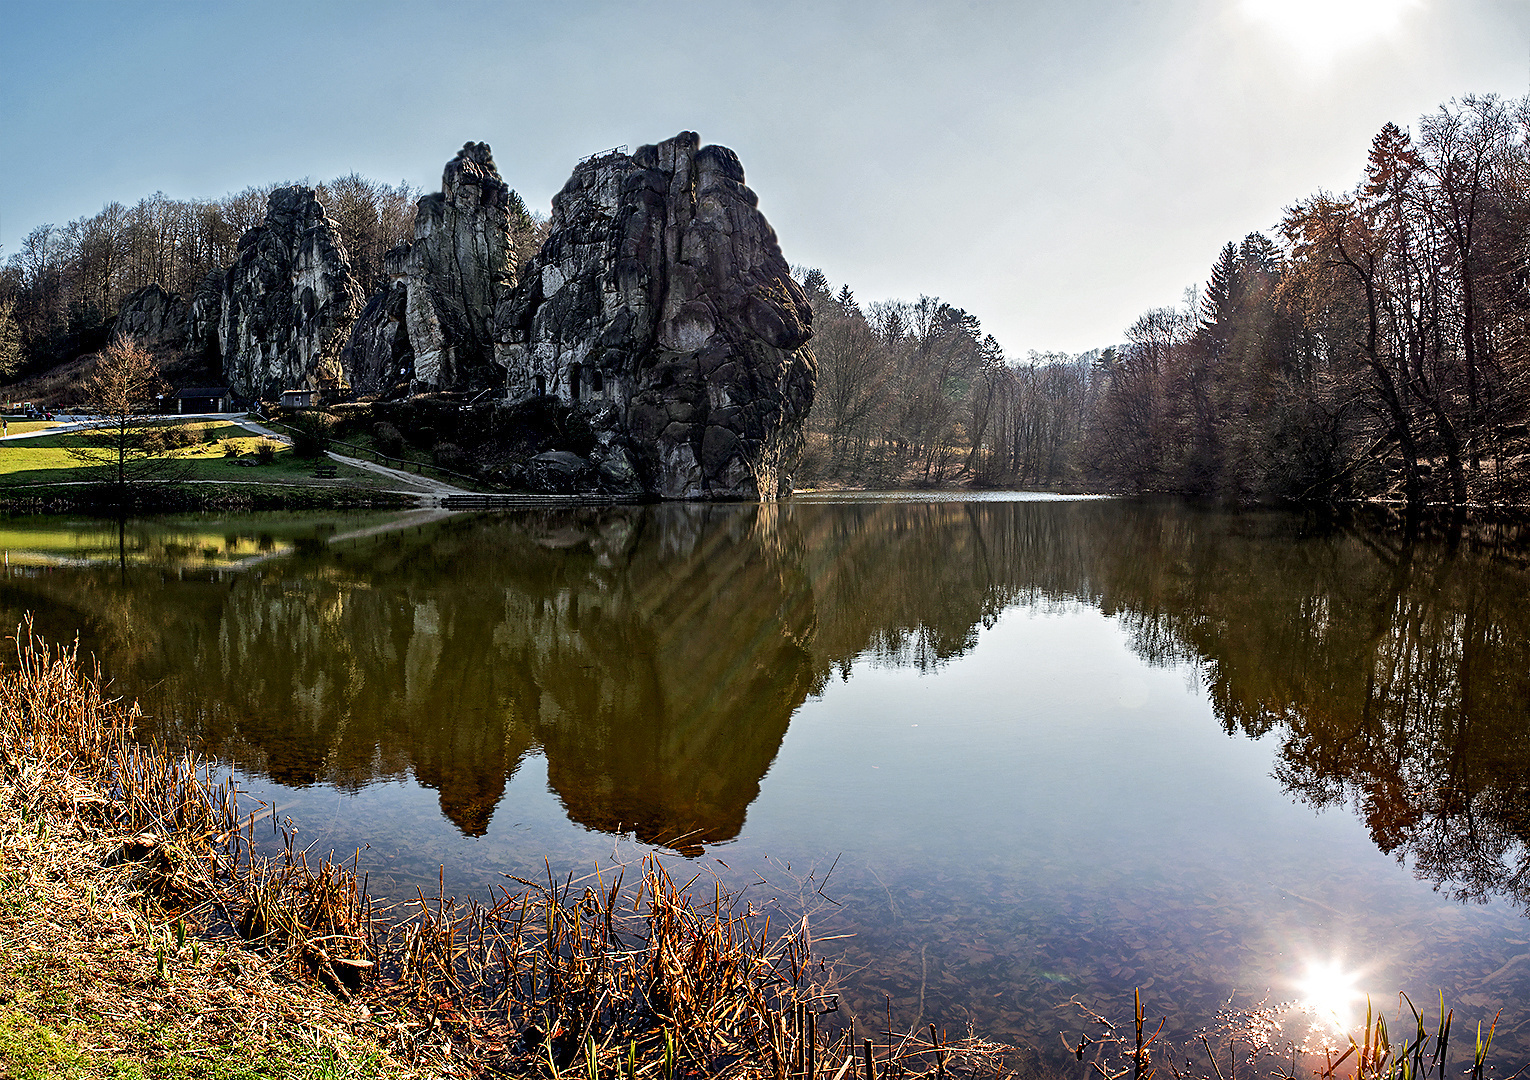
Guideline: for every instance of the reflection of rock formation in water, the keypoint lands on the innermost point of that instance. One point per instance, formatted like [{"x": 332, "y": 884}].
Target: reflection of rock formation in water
[
  {"x": 657, "y": 654},
  {"x": 667, "y": 683}
]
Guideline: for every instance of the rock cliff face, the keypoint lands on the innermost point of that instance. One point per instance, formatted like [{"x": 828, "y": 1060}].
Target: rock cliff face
[
  {"x": 153, "y": 316},
  {"x": 435, "y": 322},
  {"x": 204, "y": 315},
  {"x": 661, "y": 305},
  {"x": 283, "y": 308},
  {"x": 378, "y": 354}
]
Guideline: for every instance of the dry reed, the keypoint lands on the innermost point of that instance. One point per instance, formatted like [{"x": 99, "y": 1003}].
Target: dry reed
[
  {"x": 589, "y": 978},
  {"x": 1249, "y": 1039}
]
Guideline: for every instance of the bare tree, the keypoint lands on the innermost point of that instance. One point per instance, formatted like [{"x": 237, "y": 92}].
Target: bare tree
[
  {"x": 121, "y": 393},
  {"x": 10, "y": 339}
]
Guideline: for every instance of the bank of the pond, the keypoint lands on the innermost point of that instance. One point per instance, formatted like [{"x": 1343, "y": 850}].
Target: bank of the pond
[
  {"x": 145, "y": 931},
  {"x": 97, "y": 983},
  {"x": 111, "y": 965},
  {"x": 198, "y": 496}
]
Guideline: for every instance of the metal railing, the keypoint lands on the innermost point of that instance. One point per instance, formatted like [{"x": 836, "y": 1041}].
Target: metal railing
[{"x": 601, "y": 155}]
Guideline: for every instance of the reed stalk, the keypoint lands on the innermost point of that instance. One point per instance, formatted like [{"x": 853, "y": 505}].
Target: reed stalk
[{"x": 621, "y": 973}]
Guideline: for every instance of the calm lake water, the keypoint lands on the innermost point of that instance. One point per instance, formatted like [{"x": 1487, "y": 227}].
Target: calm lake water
[{"x": 1050, "y": 747}]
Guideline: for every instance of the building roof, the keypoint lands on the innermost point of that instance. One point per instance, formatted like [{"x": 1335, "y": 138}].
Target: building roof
[{"x": 203, "y": 391}]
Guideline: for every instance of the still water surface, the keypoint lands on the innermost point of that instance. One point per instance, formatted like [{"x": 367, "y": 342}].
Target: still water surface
[{"x": 1050, "y": 747}]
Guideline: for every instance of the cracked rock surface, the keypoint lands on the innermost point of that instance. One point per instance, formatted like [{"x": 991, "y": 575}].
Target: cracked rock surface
[
  {"x": 661, "y": 305},
  {"x": 434, "y": 324},
  {"x": 283, "y": 309},
  {"x": 154, "y": 316}
]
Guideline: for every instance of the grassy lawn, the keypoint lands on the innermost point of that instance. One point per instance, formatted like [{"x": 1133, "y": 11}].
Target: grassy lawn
[
  {"x": 217, "y": 452},
  {"x": 21, "y": 427}
]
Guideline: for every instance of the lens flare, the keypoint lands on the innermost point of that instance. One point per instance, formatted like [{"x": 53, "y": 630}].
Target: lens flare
[
  {"x": 1329, "y": 993},
  {"x": 1319, "y": 30}
]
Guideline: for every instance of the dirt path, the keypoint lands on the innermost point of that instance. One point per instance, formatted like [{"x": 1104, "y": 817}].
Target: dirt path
[{"x": 414, "y": 482}]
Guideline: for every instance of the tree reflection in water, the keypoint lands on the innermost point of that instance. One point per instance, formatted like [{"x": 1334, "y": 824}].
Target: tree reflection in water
[{"x": 656, "y": 655}]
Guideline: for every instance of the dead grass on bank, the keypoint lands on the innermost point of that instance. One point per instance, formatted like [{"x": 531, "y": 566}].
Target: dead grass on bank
[
  {"x": 147, "y": 920},
  {"x": 98, "y": 977}
]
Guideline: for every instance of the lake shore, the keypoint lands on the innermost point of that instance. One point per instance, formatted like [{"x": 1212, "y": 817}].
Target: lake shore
[
  {"x": 197, "y": 496},
  {"x": 147, "y": 934},
  {"x": 103, "y": 977}
]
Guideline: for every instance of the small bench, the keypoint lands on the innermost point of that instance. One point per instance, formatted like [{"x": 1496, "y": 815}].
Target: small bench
[{"x": 324, "y": 472}]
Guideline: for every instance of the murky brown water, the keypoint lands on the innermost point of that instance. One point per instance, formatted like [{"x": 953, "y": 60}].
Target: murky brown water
[{"x": 1057, "y": 748}]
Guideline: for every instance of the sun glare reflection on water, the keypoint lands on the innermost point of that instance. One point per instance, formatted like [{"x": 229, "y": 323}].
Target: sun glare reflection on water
[{"x": 1328, "y": 993}]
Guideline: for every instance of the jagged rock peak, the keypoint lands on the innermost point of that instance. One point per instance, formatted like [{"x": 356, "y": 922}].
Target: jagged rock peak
[
  {"x": 433, "y": 324},
  {"x": 661, "y": 304},
  {"x": 287, "y": 301},
  {"x": 471, "y": 174}
]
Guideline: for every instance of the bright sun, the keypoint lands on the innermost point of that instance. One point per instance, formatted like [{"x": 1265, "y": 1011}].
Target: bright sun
[
  {"x": 1321, "y": 29},
  {"x": 1329, "y": 993}
]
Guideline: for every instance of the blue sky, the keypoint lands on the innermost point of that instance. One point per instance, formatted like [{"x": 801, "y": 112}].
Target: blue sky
[{"x": 1055, "y": 168}]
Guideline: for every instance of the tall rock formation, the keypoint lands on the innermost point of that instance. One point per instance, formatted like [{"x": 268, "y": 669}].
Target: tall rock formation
[
  {"x": 153, "y": 316},
  {"x": 204, "y": 315},
  {"x": 435, "y": 321},
  {"x": 661, "y": 305},
  {"x": 284, "y": 306},
  {"x": 378, "y": 354}
]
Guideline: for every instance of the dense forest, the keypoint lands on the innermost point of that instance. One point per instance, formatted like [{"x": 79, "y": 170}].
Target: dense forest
[{"x": 1374, "y": 346}]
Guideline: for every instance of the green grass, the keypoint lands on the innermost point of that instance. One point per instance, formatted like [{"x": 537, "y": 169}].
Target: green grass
[
  {"x": 46, "y": 460},
  {"x": 33, "y": 1050},
  {"x": 49, "y": 1031},
  {"x": 21, "y": 427}
]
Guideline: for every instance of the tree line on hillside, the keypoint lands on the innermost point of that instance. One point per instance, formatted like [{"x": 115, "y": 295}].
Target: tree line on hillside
[
  {"x": 61, "y": 289},
  {"x": 66, "y": 282},
  {"x": 916, "y": 391},
  {"x": 1376, "y": 346}
]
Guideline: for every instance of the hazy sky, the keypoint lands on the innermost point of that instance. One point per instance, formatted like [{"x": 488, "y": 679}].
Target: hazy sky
[{"x": 1054, "y": 167}]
